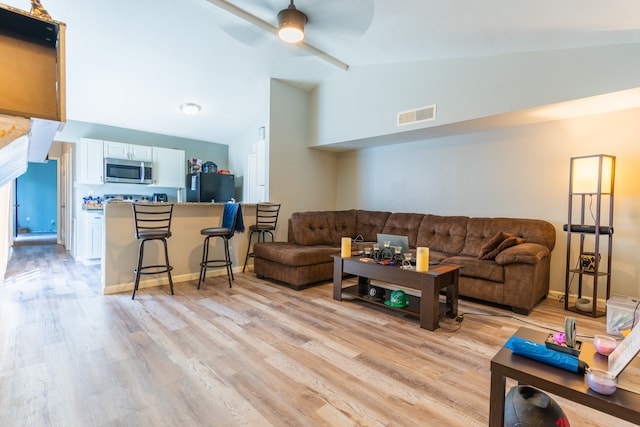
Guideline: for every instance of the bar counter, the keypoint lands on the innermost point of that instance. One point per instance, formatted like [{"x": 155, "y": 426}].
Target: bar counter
[{"x": 120, "y": 246}]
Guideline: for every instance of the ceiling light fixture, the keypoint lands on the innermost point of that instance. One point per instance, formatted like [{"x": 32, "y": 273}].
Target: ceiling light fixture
[
  {"x": 291, "y": 24},
  {"x": 190, "y": 109}
]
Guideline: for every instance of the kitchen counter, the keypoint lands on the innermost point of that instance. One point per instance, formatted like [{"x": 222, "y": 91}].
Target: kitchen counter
[
  {"x": 120, "y": 247},
  {"x": 127, "y": 202}
]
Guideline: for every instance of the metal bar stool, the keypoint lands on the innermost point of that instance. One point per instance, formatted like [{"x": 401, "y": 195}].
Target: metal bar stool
[
  {"x": 230, "y": 223},
  {"x": 266, "y": 221},
  {"x": 152, "y": 222}
]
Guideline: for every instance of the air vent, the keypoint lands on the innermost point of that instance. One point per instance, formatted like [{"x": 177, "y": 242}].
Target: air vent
[{"x": 422, "y": 114}]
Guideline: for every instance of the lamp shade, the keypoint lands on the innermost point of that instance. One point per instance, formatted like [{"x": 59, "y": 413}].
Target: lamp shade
[
  {"x": 592, "y": 174},
  {"x": 291, "y": 24}
]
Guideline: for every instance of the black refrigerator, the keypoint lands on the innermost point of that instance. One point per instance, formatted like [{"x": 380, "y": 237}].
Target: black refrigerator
[{"x": 207, "y": 187}]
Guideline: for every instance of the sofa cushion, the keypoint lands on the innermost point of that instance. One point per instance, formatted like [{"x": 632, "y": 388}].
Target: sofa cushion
[
  {"x": 404, "y": 224},
  {"x": 294, "y": 255},
  {"x": 342, "y": 224},
  {"x": 369, "y": 224},
  {"x": 480, "y": 269},
  {"x": 481, "y": 230},
  {"x": 526, "y": 253},
  {"x": 311, "y": 228},
  {"x": 442, "y": 233}
]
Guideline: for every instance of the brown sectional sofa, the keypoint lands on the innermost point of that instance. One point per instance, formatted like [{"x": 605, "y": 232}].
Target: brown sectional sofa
[{"x": 518, "y": 276}]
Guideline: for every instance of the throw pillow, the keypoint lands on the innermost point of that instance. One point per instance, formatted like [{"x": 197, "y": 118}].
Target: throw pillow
[
  {"x": 488, "y": 248},
  {"x": 508, "y": 242}
]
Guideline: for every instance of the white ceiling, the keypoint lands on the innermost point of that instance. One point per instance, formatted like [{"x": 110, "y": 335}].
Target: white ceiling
[{"x": 132, "y": 63}]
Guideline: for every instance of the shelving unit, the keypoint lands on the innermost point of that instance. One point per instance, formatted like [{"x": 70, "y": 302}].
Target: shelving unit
[{"x": 591, "y": 183}]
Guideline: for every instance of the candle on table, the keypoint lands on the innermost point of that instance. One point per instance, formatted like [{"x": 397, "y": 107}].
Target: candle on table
[
  {"x": 345, "y": 250},
  {"x": 422, "y": 259}
]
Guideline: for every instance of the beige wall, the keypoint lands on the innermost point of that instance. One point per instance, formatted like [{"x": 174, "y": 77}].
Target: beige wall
[
  {"x": 515, "y": 172},
  {"x": 300, "y": 178}
]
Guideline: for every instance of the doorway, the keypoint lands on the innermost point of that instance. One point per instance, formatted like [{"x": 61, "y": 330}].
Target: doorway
[{"x": 36, "y": 205}]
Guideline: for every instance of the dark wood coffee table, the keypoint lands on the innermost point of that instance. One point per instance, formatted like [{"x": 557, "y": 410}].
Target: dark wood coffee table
[
  {"x": 428, "y": 284},
  {"x": 621, "y": 404}
]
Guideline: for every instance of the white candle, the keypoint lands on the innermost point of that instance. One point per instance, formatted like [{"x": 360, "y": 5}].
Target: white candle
[
  {"x": 422, "y": 259},
  {"x": 345, "y": 250}
]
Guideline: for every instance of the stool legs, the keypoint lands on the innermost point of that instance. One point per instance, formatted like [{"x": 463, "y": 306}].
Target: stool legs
[
  {"x": 261, "y": 238},
  {"x": 246, "y": 258},
  {"x": 209, "y": 263},
  {"x": 138, "y": 269},
  {"x": 166, "y": 268},
  {"x": 166, "y": 261}
]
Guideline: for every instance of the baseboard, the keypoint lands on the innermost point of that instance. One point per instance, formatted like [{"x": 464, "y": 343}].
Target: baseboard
[
  {"x": 163, "y": 280},
  {"x": 600, "y": 303}
]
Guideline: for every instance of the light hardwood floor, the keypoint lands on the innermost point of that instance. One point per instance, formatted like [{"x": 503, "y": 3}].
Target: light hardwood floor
[{"x": 258, "y": 354}]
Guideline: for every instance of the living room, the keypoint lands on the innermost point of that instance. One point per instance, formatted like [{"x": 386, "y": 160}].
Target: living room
[{"x": 505, "y": 129}]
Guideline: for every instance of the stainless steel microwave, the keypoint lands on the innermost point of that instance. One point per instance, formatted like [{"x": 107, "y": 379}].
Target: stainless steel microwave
[{"x": 127, "y": 171}]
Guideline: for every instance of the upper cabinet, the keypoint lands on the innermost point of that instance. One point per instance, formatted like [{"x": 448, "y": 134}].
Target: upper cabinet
[
  {"x": 168, "y": 163},
  {"x": 121, "y": 150},
  {"x": 32, "y": 88},
  {"x": 90, "y": 161},
  {"x": 168, "y": 167},
  {"x": 33, "y": 66}
]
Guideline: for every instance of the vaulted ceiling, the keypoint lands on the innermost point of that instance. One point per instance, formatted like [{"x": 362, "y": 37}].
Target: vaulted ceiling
[{"x": 132, "y": 63}]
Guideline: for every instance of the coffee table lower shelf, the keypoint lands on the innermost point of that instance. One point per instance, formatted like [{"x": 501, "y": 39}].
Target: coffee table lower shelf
[
  {"x": 413, "y": 309},
  {"x": 427, "y": 285}
]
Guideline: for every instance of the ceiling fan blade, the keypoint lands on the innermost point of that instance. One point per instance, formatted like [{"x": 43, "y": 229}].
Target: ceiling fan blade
[
  {"x": 241, "y": 13},
  {"x": 260, "y": 23},
  {"x": 246, "y": 34},
  {"x": 338, "y": 19}
]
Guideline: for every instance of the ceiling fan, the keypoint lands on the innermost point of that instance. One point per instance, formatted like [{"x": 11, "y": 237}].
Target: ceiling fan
[{"x": 342, "y": 20}]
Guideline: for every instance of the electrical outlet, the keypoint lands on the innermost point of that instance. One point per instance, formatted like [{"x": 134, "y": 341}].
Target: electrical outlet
[{"x": 28, "y": 218}]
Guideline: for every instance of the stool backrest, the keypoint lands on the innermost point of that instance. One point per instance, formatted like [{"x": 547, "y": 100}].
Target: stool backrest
[
  {"x": 152, "y": 219},
  {"x": 267, "y": 215}
]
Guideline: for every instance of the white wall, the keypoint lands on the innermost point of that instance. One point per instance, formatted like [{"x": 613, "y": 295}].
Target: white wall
[
  {"x": 364, "y": 101},
  {"x": 5, "y": 228},
  {"x": 513, "y": 172}
]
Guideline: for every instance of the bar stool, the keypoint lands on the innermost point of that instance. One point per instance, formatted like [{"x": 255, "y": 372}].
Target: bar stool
[
  {"x": 266, "y": 221},
  {"x": 229, "y": 226},
  {"x": 152, "y": 222}
]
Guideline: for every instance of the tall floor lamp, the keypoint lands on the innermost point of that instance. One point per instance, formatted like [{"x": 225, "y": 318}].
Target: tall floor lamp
[{"x": 591, "y": 179}]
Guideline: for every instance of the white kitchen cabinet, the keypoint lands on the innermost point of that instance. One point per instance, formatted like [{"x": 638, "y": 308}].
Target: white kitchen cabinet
[
  {"x": 121, "y": 150},
  {"x": 90, "y": 161},
  {"x": 91, "y": 229},
  {"x": 168, "y": 167}
]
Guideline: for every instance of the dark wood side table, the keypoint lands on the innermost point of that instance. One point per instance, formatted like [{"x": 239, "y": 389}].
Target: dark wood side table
[
  {"x": 429, "y": 284},
  {"x": 621, "y": 404}
]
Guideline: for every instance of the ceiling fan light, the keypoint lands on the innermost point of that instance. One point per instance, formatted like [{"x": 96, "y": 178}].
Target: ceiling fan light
[{"x": 291, "y": 24}]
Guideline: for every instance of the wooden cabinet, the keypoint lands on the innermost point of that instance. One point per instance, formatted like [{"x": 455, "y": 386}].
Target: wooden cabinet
[
  {"x": 33, "y": 66},
  {"x": 168, "y": 167},
  {"x": 90, "y": 161},
  {"x": 121, "y": 150},
  {"x": 589, "y": 232}
]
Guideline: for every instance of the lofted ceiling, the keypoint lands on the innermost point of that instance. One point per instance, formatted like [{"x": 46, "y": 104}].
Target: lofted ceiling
[{"x": 132, "y": 63}]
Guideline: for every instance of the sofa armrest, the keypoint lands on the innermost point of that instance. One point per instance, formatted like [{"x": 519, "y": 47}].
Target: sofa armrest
[{"x": 527, "y": 253}]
